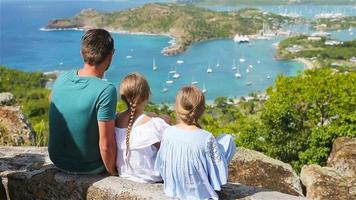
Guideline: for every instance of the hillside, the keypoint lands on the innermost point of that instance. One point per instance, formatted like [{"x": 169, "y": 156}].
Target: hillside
[
  {"x": 334, "y": 23},
  {"x": 186, "y": 23},
  {"x": 270, "y": 2},
  {"x": 321, "y": 52}
]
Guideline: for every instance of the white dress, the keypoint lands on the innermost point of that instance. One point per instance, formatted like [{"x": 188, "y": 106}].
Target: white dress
[{"x": 138, "y": 165}]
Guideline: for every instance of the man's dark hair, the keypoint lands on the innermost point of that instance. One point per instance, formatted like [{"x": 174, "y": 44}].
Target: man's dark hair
[{"x": 96, "y": 45}]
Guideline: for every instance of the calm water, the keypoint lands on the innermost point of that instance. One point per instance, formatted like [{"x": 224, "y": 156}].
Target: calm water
[{"x": 23, "y": 46}]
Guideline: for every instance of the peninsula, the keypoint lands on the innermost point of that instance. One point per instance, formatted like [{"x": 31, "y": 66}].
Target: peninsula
[
  {"x": 317, "y": 52},
  {"x": 185, "y": 23},
  {"x": 337, "y": 23}
]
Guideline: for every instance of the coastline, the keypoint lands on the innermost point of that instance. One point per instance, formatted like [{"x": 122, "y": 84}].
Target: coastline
[
  {"x": 307, "y": 63},
  {"x": 172, "y": 43}
]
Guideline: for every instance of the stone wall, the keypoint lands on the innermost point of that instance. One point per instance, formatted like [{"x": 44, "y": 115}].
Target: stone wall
[{"x": 27, "y": 173}]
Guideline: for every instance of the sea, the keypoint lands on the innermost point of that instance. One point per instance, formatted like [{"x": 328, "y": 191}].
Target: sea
[{"x": 24, "y": 46}]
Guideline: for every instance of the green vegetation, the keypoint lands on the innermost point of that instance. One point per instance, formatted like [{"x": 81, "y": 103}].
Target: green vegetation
[
  {"x": 31, "y": 94},
  {"x": 187, "y": 23},
  {"x": 336, "y": 56},
  {"x": 296, "y": 124},
  {"x": 269, "y": 2},
  {"x": 334, "y": 23}
]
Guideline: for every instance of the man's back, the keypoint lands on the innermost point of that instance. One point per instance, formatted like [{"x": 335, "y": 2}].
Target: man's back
[{"x": 77, "y": 104}]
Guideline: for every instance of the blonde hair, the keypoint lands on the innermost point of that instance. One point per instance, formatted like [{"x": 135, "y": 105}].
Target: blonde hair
[
  {"x": 134, "y": 90},
  {"x": 190, "y": 105}
]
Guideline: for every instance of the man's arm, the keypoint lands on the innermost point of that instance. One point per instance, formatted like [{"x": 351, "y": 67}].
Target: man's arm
[{"x": 107, "y": 145}]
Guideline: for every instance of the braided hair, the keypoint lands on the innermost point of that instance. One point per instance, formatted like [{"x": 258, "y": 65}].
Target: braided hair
[
  {"x": 134, "y": 90},
  {"x": 190, "y": 105}
]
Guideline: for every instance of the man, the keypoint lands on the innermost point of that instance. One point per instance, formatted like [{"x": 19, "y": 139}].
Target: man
[{"x": 82, "y": 111}]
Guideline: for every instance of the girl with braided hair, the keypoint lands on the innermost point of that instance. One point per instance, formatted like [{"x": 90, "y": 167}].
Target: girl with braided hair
[
  {"x": 192, "y": 162},
  {"x": 137, "y": 135}
]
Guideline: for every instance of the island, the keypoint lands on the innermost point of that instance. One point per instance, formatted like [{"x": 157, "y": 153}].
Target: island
[
  {"x": 185, "y": 23},
  {"x": 316, "y": 52}
]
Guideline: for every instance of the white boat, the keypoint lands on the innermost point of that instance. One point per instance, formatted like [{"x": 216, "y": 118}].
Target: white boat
[
  {"x": 176, "y": 75},
  {"x": 237, "y": 74},
  {"x": 128, "y": 57},
  {"x": 242, "y": 60},
  {"x": 258, "y": 62},
  {"x": 164, "y": 89},
  {"x": 241, "y": 39},
  {"x": 247, "y": 70},
  {"x": 194, "y": 82},
  {"x": 61, "y": 63},
  {"x": 249, "y": 83},
  {"x": 209, "y": 70},
  {"x": 233, "y": 65},
  {"x": 204, "y": 90},
  {"x": 250, "y": 66},
  {"x": 268, "y": 77},
  {"x": 180, "y": 61},
  {"x": 218, "y": 64},
  {"x": 154, "y": 66},
  {"x": 169, "y": 81},
  {"x": 173, "y": 71}
]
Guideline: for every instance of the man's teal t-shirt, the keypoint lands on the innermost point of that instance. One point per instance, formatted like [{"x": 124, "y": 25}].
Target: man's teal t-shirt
[{"x": 77, "y": 104}]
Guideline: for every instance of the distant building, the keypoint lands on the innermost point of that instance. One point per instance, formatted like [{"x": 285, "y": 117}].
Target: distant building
[
  {"x": 353, "y": 59},
  {"x": 332, "y": 42},
  {"x": 294, "y": 49},
  {"x": 314, "y": 38}
]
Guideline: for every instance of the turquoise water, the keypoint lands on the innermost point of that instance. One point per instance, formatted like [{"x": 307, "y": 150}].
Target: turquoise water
[{"x": 23, "y": 46}]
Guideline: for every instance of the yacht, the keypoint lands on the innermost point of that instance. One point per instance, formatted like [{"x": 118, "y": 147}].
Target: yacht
[
  {"x": 154, "y": 66},
  {"x": 268, "y": 77},
  {"x": 194, "y": 82},
  {"x": 128, "y": 57},
  {"x": 241, "y": 39},
  {"x": 250, "y": 66},
  {"x": 61, "y": 63},
  {"x": 242, "y": 60}
]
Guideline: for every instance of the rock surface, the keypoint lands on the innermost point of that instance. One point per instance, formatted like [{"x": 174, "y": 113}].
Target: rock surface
[
  {"x": 27, "y": 173},
  {"x": 343, "y": 156},
  {"x": 325, "y": 183},
  {"x": 253, "y": 168},
  {"x": 6, "y": 99},
  {"x": 337, "y": 181},
  {"x": 14, "y": 127}
]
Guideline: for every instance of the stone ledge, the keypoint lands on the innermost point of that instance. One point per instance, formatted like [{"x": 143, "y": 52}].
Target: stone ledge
[{"x": 27, "y": 173}]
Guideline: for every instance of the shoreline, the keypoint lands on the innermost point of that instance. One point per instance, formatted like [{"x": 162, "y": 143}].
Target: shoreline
[
  {"x": 307, "y": 63},
  {"x": 172, "y": 42}
]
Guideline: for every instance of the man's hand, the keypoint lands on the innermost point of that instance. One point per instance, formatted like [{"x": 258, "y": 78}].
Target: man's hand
[{"x": 107, "y": 145}]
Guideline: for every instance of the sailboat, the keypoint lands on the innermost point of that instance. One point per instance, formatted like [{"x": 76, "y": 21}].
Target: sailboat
[
  {"x": 204, "y": 90},
  {"x": 209, "y": 70},
  {"x": 194, "y": 82},
  {"x": 247, "y": 80},
  {"x": 233, "y": 65},
  {"x": 164, "y": 89},
  {"x": 176, "y": 75},
  {"x": 237, "y": 74},
  {"x": 242, "y": 60},
  {"x": 180, "y": 61},
  {"x": 218, "y": 64},
  {"x": 154, "y": 66},
  {"x": 173, "y": 71},
  {"x": 168, "y": 81}
]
